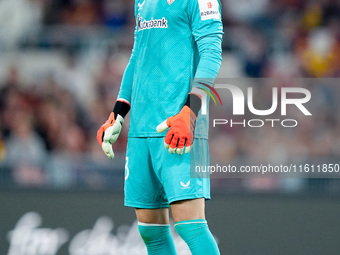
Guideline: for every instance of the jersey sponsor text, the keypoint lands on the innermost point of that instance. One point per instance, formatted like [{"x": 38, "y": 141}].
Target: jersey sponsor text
[{"x": 153, "y": 23}]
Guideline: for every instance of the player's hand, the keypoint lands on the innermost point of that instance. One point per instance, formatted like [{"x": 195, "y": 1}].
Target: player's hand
[
  {"x": 181, "y": 132},
  {"x": 109, "y": 132}
]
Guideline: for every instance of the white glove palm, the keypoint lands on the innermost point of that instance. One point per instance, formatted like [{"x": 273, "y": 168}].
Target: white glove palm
[{"x": 109, "y": 133}]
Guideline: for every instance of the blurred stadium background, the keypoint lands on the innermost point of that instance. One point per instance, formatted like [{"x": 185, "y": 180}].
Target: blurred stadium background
[{"x": 61, "y": 63}]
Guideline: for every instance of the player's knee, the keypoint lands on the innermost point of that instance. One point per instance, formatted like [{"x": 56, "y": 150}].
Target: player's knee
[
  {"x": 157, "y": 238},
  {"x": 190, "y": 228}
]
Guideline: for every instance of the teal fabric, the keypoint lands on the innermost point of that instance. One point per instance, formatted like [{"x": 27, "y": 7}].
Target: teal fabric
[
  {"x": 174, "y": 43},
  {"x": 158, "y": 239},
  {"x": 197, "y": 236},
  {"x": 154, "y": 178}
]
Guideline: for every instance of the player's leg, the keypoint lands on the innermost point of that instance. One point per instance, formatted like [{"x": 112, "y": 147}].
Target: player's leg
[
  {"x": 156, "y": 216},
  {"x": 189, "y": 209},
  {"x": 190, "y": 224},
  {"x": 186, "y": 193},
  {"x": 143, "y": 190},
  {"x": 154, "y": 228}
]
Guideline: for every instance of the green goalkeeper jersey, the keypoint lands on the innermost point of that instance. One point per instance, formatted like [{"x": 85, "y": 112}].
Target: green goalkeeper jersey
[{"x": 175, "y": 42}]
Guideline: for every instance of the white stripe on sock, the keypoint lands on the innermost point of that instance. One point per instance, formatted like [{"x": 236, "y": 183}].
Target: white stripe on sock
[
  {"x": 197, "y": 222},
  {"x": 151, "y": 224}
]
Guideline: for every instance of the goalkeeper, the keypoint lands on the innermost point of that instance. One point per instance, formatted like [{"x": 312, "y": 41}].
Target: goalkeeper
[{"x": 176, "y": 42}]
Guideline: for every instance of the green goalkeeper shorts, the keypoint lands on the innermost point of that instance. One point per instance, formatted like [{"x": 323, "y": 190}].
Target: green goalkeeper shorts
[{"x": 154, "y": 178}]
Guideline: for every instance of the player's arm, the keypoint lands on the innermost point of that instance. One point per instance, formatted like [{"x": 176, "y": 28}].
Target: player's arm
[
  {"x": 207, "y": 31},
  {"x": 128, "y": 76},
  {"x": 109, "y": 132}
]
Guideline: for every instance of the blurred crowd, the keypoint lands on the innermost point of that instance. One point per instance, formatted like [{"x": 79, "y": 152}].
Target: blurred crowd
[
  {"x": 49, "y": 133},
  {"x": 48, "y": 122},
  {"x": 284, "y": 38}
]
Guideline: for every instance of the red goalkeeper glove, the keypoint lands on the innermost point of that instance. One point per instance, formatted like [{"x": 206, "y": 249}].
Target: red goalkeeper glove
[
  {"x": 182, "y": 127},
  {"x": 109, "y": 132}
]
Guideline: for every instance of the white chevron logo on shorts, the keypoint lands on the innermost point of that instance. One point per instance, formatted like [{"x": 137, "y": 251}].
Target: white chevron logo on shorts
[{"x": 185, "y": 186}]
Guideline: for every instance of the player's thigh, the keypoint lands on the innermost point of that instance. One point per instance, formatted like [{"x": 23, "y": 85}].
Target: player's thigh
[
  {"x": 188, "y": 209},
  {"x": 153, "y": 216}
]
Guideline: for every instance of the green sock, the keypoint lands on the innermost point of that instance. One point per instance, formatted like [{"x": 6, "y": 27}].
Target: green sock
[{"x": 197, "y": 236}]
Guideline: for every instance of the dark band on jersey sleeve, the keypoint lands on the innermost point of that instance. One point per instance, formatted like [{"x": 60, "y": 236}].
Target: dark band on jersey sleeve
[
  {"x": 194, "y": 103},
  {"x": 122, "y": 108}
]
